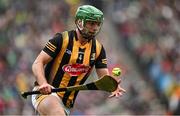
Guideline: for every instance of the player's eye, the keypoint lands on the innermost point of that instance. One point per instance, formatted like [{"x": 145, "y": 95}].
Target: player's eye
[{"x": 92, "y": 23}]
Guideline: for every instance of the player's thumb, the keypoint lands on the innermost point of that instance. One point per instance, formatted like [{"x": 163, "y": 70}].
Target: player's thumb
[{"x": 119, "y": 81}]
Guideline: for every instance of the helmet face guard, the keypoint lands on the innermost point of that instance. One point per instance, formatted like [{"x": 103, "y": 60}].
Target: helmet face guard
[{"x": 87, "y": 13}]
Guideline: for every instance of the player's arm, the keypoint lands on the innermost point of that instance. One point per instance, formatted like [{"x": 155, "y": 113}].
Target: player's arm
[
  {"x": 101, "y": 63},
  {"x": 49, "y": 52},
  {"x": 101, "y": 69},
  {"x": 38, "y": 67}
]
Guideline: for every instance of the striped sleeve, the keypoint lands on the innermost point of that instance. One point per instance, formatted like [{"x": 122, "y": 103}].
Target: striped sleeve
[
  {"x": 53, "y": 46},
  {"x": 101, "y": 61}
]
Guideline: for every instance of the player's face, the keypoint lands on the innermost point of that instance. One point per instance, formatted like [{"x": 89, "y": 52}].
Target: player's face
[{"x": 92, "y": 27}]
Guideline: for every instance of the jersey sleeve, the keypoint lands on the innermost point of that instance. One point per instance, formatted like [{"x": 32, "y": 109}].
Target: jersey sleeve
[
  {"x": 54, "y": 45},
  {"x": 101, "y": 61}
]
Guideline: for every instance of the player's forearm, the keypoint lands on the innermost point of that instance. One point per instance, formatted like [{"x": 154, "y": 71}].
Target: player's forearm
[
  {"x": 38, "y": 70},
  {"x": 102, "y": 71}
]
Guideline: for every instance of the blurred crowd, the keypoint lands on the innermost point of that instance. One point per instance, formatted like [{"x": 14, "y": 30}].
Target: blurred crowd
[{"x": 150, "y": 31}]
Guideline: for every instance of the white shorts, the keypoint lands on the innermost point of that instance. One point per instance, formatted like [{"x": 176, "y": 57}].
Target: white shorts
[{"x": 37, "y": 98}]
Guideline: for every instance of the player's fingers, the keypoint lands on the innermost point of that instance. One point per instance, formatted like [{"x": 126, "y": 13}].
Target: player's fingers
[
  {"x": 42, "y": 91},
  {"x": 118, "y": 94},
  {"x": 119, "y": 81},
  {"x": 121, "y": 89},
  {"x": 45, "y": 90},
  {"x": 112, "y": 95}
]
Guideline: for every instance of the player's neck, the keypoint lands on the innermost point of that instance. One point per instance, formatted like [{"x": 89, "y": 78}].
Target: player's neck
[{"x": 80, "y": 38}]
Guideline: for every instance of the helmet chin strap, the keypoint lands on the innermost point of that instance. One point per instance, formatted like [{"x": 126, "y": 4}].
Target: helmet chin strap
[{"x": 78, "y": 24}]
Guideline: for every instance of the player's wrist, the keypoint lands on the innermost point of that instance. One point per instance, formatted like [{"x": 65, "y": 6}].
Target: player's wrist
[{"x": 42, "y": 82}]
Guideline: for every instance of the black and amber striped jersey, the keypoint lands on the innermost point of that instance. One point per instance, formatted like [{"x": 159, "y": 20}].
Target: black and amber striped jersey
[{"x": 72, "y": 62}]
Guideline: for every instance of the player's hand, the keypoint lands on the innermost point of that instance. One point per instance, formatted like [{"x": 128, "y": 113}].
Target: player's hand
[
  {"x": 45, "y": 88},
  {"x": 119, "y": 91}
]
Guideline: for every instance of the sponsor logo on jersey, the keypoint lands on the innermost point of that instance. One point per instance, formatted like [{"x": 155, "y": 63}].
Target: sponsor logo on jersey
[{"x": 75, "y": 69}]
